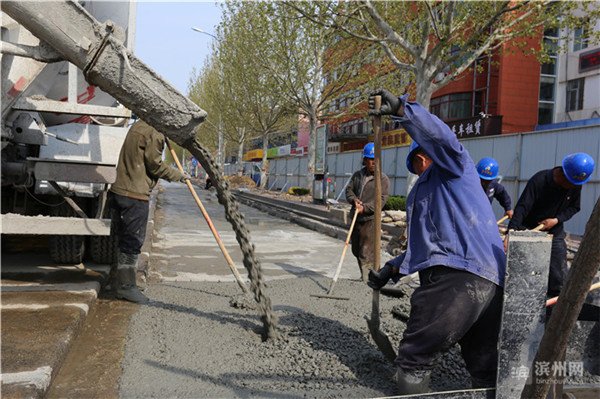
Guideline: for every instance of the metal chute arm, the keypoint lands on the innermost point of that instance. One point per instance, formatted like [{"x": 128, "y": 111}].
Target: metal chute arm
[{"x": 93, "y": 47}]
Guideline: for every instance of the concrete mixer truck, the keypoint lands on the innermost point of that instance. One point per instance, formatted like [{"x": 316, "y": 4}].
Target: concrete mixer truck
[{"x": 60, "y": 140}]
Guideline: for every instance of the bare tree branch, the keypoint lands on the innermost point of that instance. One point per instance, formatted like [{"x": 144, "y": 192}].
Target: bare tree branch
[{"x": 388, "y": 31}]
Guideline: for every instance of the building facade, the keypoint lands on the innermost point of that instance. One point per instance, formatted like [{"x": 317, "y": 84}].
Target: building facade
[{"x": 505, "y": 92}]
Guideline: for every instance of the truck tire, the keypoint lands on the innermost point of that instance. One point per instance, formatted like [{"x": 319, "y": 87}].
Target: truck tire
[
  {"x": 66, "y": 249},
  {"x": 104, "y": 249}
]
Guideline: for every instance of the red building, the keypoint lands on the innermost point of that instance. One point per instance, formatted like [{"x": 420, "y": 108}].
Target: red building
[
  {"x": 498, "y": 94},
  {"x": 504, "y": 86}
]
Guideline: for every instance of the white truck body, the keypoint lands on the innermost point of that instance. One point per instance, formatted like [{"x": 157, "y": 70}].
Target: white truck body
[{"x": 57, "y": 129}]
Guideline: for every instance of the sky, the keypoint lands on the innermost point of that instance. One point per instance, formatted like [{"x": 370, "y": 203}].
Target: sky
[{"x": 166, "y": 42}]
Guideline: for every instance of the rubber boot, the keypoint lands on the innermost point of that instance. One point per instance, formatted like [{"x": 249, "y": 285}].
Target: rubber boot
[
  {"x": 125, "y": 286},
  {"x": 410, "y": 383}
]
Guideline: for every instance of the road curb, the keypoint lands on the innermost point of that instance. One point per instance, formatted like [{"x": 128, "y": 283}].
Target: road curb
[{"x": 326, "y": 225}]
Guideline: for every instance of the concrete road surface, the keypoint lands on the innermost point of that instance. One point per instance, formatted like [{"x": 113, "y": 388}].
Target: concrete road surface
[{"x": 185, "y": 250}]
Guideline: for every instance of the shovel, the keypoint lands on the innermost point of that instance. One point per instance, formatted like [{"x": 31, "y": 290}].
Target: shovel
[
  {"x": 381, "y": 339},
  {"x": 214, "y": 231},
  {"x": 339, "y": 266}
]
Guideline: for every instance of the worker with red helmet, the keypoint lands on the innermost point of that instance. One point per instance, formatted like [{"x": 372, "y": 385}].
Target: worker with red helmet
[
  {"x": 551, "y": 197},
  {"x": 487, "y": 168}
]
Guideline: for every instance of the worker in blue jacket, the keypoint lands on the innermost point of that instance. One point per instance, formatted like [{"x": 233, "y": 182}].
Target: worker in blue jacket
[
  {"x": 487, "y": 168},
  {"x": 453, "y": 243}
]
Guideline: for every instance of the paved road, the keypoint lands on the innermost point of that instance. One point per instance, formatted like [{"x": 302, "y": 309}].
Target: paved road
[
  {"x": 189, "y": 342},
  {"x": 185, "y": 250}
]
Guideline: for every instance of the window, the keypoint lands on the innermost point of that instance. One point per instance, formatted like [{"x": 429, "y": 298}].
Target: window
[
  {"x": 549, "y": 68},
  {"x": 547, "y": 88},
  {"x": 575, "y": 94},
  {"x": 580, "y": 38},
  {"x": 545, "y": 111},
  {"x": 478, "y": 103},
  {"x": 452, "y": 106},
  {"x": 548, "y": 73}
]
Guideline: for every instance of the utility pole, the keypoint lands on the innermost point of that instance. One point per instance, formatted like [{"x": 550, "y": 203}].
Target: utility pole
[{"x": 220, "y": 132}]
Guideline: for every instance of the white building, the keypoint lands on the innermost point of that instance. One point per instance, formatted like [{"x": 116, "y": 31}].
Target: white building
[{"x": 575, "y": 75}]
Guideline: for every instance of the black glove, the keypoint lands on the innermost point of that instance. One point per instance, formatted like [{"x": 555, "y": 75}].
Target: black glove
[
  {"x": 379, "y": 279},
  {"x": 390, "y": 104}
]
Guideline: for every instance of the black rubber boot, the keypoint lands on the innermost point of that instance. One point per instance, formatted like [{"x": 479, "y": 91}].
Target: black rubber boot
[
  {"x": 410, "y": 383},
  {"x": 125, "y": 286}
]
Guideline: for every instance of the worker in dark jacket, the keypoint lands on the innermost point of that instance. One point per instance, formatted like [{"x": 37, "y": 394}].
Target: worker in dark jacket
[
  {"x": 360, "y": 193},
  {"x": 454, "y": 245},
  {"x": 551, "y": 197},
  {"x": 487, "y": 168},
  {"x": 139, "y": 168}
]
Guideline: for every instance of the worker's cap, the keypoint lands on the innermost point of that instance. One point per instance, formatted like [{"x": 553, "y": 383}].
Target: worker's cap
[
  {"x": 578, "y": 168},
  {"x": 487, "y": 168},
  {"x": 369, "y": 151}
]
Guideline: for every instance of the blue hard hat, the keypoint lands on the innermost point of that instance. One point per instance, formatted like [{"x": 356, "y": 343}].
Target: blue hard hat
[
  {"x": 578, "y": 168},
  {"x": 369, "y": 151},
  {"x": 487, "y": 168},
  {"x": 414, "y": 147}
]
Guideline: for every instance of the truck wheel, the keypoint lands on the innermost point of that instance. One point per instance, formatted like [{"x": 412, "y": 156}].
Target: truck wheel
[
  {"x": 104, "y": 249},
  {"x": 66, "y": 248}
]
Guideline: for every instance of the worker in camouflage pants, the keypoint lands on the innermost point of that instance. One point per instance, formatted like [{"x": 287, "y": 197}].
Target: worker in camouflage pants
[
  {"x": 139, "y": 168},
  {"x": 360, "y": 193}
]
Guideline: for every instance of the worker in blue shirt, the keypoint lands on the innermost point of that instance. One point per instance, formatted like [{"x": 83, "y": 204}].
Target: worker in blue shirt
[
  {"x": 487, "y": 168},
  {"x": 453, "y": 243},
  {"x": 551, "y": 197}
]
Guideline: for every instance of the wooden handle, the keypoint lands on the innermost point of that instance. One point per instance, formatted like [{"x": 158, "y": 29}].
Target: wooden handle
[
  {"x": 502, "y": 219},
  {"x": 377, "y": 221},
  {"x": 339, "y": 266},
  {"x": 539, "y": 227},
  {"x": 552, "y": 301},
  {"x": 212, "y": 227}
]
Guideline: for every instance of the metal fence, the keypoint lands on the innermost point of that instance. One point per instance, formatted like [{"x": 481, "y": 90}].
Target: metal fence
[{"x": 520, "y": 156}]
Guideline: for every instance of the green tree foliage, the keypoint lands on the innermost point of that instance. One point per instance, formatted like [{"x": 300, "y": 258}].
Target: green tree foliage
[
  {"x": 436, "y": 41},
  {"x": 292, "y": 53}
]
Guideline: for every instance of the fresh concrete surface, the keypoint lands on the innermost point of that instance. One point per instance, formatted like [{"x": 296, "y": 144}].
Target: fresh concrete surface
[
  {"x": 185, "y": 250},
  {"x": 190, "y": 342}
]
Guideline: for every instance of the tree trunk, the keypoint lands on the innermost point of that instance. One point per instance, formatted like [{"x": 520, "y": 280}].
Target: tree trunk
[
  {"x": 564, "y": 315},
  {"x": 240, "y": 164},
  {"x": 264, "y": 168},
  {"x": 312, "y": 147}
]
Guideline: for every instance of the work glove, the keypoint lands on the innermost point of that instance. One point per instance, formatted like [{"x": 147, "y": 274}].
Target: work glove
[
  {"x": 379, "y": 279},
  {"x": 390, "y": 104},
  {"x": 185, "y": 177}
]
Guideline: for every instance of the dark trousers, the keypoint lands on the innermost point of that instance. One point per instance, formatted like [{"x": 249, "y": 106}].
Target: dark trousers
[
  {"x": 453, "y": 306},
  {"x": 558, "y": 265},
  {"x": 129, "y": 219},
  {"x": 558, "y": 274},
  {"x": 362, "y": 243}
]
